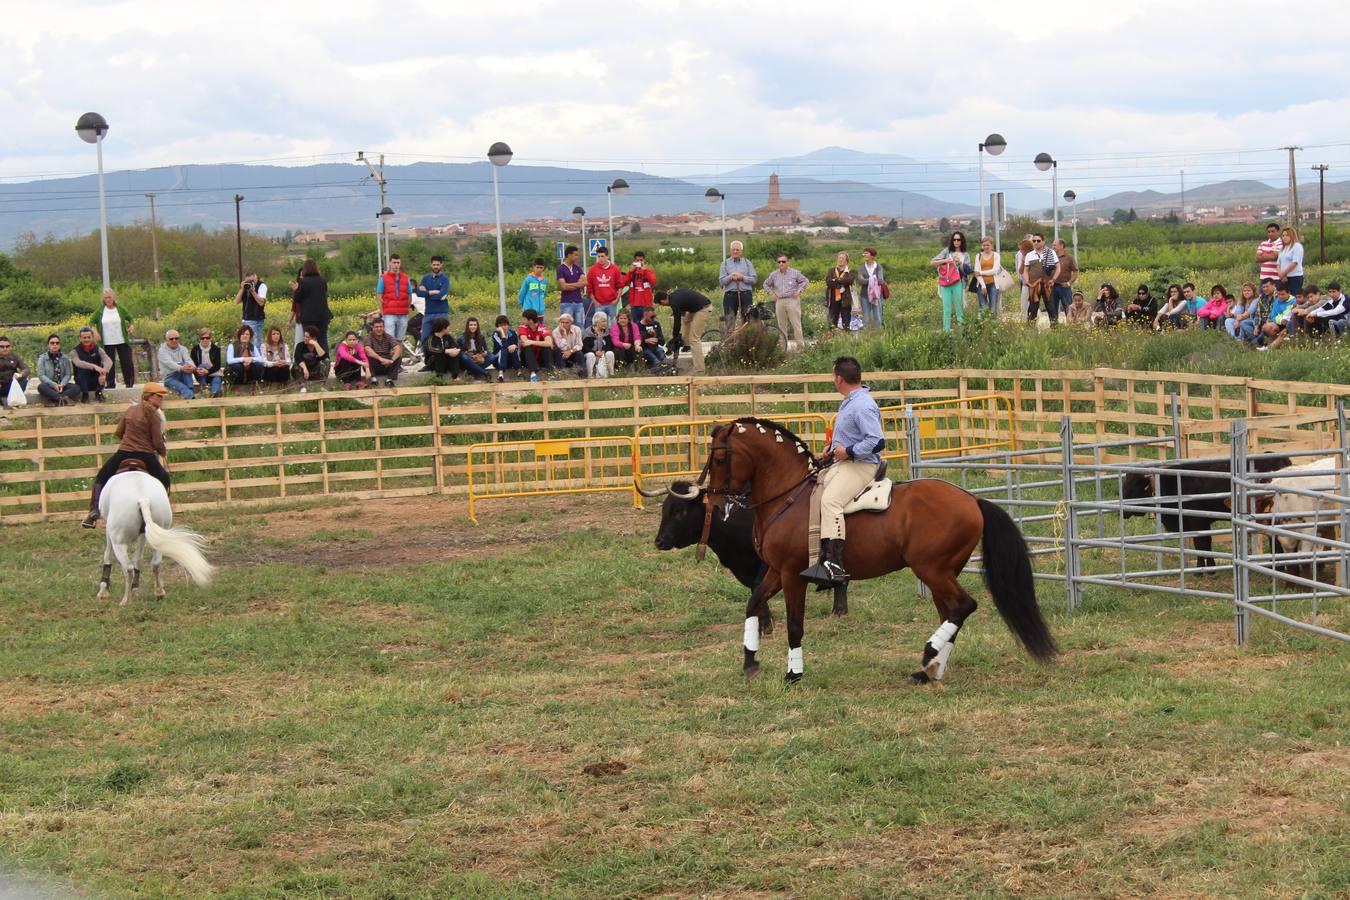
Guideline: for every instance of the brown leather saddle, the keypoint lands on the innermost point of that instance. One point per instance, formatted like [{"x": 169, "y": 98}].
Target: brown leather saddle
[{"x": 131, "y": 465}]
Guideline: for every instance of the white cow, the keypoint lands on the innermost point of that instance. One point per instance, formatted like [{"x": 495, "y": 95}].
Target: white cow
[{"x": 1306, "y": 515}]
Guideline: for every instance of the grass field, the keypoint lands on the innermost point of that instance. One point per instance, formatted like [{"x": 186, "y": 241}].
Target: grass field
[{"x": 393, "y": 703}]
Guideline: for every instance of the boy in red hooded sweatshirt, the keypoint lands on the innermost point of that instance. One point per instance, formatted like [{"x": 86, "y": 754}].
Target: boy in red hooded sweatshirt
[
  {"x": 603, "y": 281},
  {"x": 641, "y": 283}
]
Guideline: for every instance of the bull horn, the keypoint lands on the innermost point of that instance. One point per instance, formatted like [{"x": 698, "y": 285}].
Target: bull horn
[
  {"x": 659, "y": 492},
  {"x": 693, "y": 494}
]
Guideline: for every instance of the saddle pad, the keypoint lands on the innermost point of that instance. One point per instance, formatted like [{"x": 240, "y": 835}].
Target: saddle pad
[{"x": 876, "y": 497}]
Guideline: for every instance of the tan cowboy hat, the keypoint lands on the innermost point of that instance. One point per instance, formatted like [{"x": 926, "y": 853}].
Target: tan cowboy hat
[{"x": 154, "y": 387}]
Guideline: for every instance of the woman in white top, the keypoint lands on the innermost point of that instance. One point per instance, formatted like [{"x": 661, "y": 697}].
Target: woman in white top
[
  {"x": 1290, "y": 261},
  {"x": 113, "y": 329},
  {"x": 987, "y": 266},
  {"x": 276, "y": 358},
  {"x": 1173, "y": 310}
]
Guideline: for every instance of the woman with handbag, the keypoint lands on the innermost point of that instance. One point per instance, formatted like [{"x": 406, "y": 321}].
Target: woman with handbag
[
  {"x": 839, "y": 293},
  {"x": 952, "y": 265},
  {"x": 872, "y": 287},
  {"x": 987, "y": 268}
]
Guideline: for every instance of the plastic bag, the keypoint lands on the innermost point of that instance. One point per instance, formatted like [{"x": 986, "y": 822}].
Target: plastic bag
[{"x": 16, "y": 396}]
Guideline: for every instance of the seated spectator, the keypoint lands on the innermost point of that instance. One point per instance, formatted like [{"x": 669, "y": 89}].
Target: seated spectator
[
  {"x": 1332, "y": 314},
  {"x": 595, "y": 344},
  {"x": 536, "y": 343},
  {"x": 309, "y": 355},
  {"x": 625, "y": 339},
  {"x": 1194, "y": 301},
  {"x": 276, "y": 358},
  {"x": 474, "y": 345},
  {"x": 1244, "y": 315},
  {"x": 567, "y": 352},
  {"x": 1142, "y": 309},
  {"x": 175, "y": 365},
  {"x": 444, "y": 354},
  {"x": 1173, "y": 310},
  {"x": 12, "y": 367},
  {"x": 384, "y": 352},
  {"x": 1275, "y": 330},
  {"x": 244, "y": 364},
  {"x": 1079, "y": 313},
  {"x": 206, "y": 357},
  {"x": 1215, "y": 310},
  {"x": 56, "y": 376},
  {"x": 505, "y": 347},
  {"x": 653, "y": 341},
  {"x": 353, "y": 366},
  {"x": 1300, "y": 314},
  {"x": 92, "y": 366},
  {"x": 1107, "y": 311}
]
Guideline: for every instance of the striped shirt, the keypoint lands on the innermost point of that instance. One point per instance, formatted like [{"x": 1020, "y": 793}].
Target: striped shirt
[{"x": 1270, "y": 268}]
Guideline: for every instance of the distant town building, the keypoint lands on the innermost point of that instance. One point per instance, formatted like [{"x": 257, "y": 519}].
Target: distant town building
[{"x": 777, "y": 213}]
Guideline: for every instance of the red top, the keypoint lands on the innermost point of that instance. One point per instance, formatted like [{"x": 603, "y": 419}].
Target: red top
[
  {"x": 537, "y": 332},
  {"x": 396, "y": 298},
  {"x": 603, "y": 283},
  {"x": 641, "y": 284}
]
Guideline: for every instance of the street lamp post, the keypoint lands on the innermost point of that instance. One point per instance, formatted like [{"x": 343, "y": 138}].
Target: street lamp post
[
  {"x": 238, "y": 236},
  {"x": 618, "y": 187},
  {"x": 1072, "y": 198},
  {"x": 1046, "y": 161},
  {"x": 993, "y": 145},
  {"x": 580, "y": 213},
  {"x": 384, "y": 216},
  {"x": 716, "y": 196},
  {"x": 91, "y": 128},
  {"x": 499, "y": 154}
]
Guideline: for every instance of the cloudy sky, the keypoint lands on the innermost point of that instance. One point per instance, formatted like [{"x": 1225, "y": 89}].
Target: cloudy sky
[{"x": 1121, "y": 92}]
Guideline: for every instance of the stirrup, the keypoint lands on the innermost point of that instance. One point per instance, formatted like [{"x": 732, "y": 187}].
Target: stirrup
[{"x": 818, "y": 575}]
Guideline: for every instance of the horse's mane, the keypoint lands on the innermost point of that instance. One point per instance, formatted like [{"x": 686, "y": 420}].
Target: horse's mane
[{"x": 779, "y": 428}]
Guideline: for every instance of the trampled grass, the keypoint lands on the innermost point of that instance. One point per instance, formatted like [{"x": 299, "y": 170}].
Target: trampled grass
[{"x": 379, "y": 700}]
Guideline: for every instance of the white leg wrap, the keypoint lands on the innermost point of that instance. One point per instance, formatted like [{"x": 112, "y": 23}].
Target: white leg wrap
[
  {"x": 752, "y": 634},
  {"x": 941, "y": 659},
  {"x": 943, "y": 635},
  {"x": 795, "y": 661}
]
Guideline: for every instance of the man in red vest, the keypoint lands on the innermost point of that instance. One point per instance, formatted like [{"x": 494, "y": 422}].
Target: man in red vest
[
  {"x": 603, "y": 281},
  {"x": 395, "y": 292}
]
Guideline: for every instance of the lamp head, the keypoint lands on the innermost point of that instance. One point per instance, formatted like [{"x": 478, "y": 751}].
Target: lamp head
[
  {"x": 619, "y": 186},
  {"x": 713, "y": 195},
  {"x": 1070, "y": 196},
  {"x": 90, "y": 127},
  {"x": 1044, "y": 161},
  {"x": 579, "y": 212},
  {"x": 499, "y": 154},
  {"x": 994, "y": 144},
  {"x": 386, "y": 211}
]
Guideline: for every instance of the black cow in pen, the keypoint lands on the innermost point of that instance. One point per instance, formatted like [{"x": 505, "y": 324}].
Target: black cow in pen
[
  {"x": 731, "y": 539},
  {"x": 1195, "y": 513}
]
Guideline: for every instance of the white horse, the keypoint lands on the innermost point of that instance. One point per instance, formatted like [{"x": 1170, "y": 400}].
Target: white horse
[{"x": 135, "y": 510}]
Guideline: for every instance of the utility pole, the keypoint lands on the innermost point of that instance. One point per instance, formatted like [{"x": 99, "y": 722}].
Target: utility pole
[
  {"x": 1292, "y": 210},
  {"x": 154, "y": 242},
  {"x": 384, "y": 201},
  {"x": 1321, "y": 170},
  {"x": 1183, "y": 195},
  {"x": 239, "y": 236}
]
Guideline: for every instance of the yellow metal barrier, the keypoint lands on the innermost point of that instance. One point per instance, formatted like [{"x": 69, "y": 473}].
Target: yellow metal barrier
[
  {"x": 584, "y": 465},
  {"x": 667, "y": 451},
  {"x": 953, "y": 427}
]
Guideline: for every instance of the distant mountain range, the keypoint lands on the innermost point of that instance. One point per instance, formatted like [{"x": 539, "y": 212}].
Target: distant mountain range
[{"x": 343, "y": 196}]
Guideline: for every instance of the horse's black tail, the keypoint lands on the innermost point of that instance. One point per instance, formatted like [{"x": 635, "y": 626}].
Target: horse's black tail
[{"x": 1007, "y": 572}]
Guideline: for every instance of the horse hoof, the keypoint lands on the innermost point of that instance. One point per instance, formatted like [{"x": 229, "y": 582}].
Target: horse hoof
[
  {"x": 124, "y": 602},
  {"x": 839, "y": 611},
  {"x": 159, "y": 594},
  {"x": 792, "y": 677},
  {"x": 765, "y": 626},
  {"x": 920, "y": 677},
  {"x": 751, "y": 671},
  {"x": 102, "y": 592}
]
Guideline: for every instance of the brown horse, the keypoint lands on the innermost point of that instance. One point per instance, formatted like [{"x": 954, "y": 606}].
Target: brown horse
[{"x": 931, "y": 526}]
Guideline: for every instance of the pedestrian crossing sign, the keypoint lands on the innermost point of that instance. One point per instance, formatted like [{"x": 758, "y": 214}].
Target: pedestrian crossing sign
[{"x": 598, "y": 244}]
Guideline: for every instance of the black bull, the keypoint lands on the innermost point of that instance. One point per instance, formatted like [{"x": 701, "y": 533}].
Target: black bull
[
  {"x": 1193, "y": 513},
  {"x": 731, "y": 539}
]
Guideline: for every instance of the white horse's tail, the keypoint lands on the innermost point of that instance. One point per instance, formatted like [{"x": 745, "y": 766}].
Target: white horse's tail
[{"x": 181, "y": 545}]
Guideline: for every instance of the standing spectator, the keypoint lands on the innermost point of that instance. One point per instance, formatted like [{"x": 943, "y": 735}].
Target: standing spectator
[
  {"x": 1019, "y": 266},
  {"x": 1194, "y": 301},
  {"x": 1173, "y": 311},
  {"x": 1268, "y": 253},
  {"x": 276, "y": 358},
  {"x": 56, "y": 376},
  {"x": 1107, "y": 311},
  {"x": 175, "y": 364},
  {"x": 1213, "y": 313},
  {"x": 353, "y": 366},
  {"x": 383, "y": 353},
  {"x": 690, "y": 311},
  {"x": 625, "y": 339},
  {"x": 435, "y": 293},
  {"x": 12, "y": 367},
  {"x": 737, "y": 277},
  {"x": 1331, "y": 315},
  {"x": 653, "y": 340},
  {"x": 241, "y": 357},
  {"x": 786, "y": 286},
  {"x": 1142, "y": 309},
  {"x": 206, "y": 363},
  {"x": 1038, "y": 266},
  {"x": 1078, "y": 312},
  {"x": 640, "y": 280},
  {"x": 952, "y": 264},
  {"x": 113, "y": 328},
  {"x": 309, "y": 302},
  {"x": 602, "y": 283},
  {"x": 536, "y": 343},
  {"x": 534, "y": 288},
  {"x": 839, "y": 293},
  {"x": 1065, "y": 274},
  {"x": 92, "y": 366},
  {"x": 872, "y": 287},
  {"x": 567, "y": 353},
  {"x": 505, "y": 348},
  {"x": 1243, "y": 315},
  {"x": 309, "y": 356},
  {"x": 394, "y": 290},
  {"x": 987, "y": 267},
  {"x": 571, "y": 281},
  {"x": 595, "y": 344},
  {"x": 252, "y": 298},
  {"x": 1291, "y": 260},
  {"x": 474, "y": 345}
]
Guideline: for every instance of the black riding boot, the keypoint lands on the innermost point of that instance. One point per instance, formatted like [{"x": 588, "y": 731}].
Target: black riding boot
[
  {"x": 92, "y": 519},
  {"x": 828, "y": 570}
]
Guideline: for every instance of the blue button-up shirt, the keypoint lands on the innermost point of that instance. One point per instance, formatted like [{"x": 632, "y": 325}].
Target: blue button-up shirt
[
  {"x": 440, "y": 304},
  {"x": 857, "y": 428}
]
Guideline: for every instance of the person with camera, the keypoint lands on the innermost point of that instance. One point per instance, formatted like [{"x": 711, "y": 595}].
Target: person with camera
[
  {"x": 640, "y": 280},
  {"x": 252, "y": 297}
]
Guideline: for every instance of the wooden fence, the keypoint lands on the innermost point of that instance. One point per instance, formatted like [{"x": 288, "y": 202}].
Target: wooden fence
[{"x": 415, "y": 440}]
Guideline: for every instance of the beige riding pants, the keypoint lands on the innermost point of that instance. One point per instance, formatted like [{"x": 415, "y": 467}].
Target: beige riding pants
[{"x": 840, "y": 484}]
